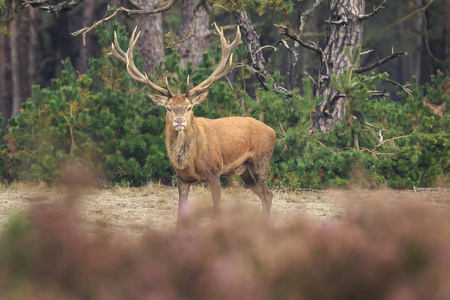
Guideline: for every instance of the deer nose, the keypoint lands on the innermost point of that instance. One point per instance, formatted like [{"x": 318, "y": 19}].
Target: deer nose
[{"x": 179, "y": 121}]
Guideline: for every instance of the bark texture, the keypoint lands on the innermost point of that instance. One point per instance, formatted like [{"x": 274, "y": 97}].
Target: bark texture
[
  {"x": 345, "y": 29},
  {"x": 22, "y": 42},
  {"x": 87, "y": 50},
  {"x": 17, "y": 62},
  {"x": 446, "y": 13},
  {"x": 193, "y": 48},
  {"x": 251, "y": 39},
  {"x": 151, "y": 39},
  {"x": 5, "y": 82}
]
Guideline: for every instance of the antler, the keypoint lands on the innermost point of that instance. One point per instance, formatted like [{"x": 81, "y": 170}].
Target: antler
[
  {"x": 127, "y": 58},
  {"x": 224, "y": 66}
]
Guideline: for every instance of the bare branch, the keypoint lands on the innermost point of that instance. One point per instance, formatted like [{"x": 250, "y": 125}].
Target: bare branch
[
  {"x": 366, "y": 52},
  {"x": 305, "y": 16},
  {"x": 171, "y": 40},
  {"x": 401, "y": 20},
  {"x": 375, "y": 11},
  {"x": 342, "y": 21},
  {"x": 323, "y": 145},
  {"x": 310, "y": 77},
  {"x": 380, "y": 62},
  {"x": 294, "y": 59},
  {"x": 395, "y": 138},
  {"x": 309, "y": 45},
  {"x": 258, "y": 62},
  {"x": 267, "y": 46},
  {"x": 55, "y": 9},
  {"x": 130, "y": 12},
  {"x": 399, "y": 85}
]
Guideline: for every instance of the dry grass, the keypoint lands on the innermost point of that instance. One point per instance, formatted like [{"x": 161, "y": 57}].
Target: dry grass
[{"x": 134, "y": 210}]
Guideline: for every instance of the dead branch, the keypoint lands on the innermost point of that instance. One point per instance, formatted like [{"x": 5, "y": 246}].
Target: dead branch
[
  {"x": 55, "y": 9},
  {"x": 267, "y": 46},
  {"x": 391, "y": 139},
  {"x": 130, "y": 12},
  {"x": 342, "y": 21},
  {"x": 401, "y": 20},
  {"x": 399, "y": 85},
  {"x": 305, "y": 16},
  {"x": 310, "y": 45},
  {"x": 395, "y": 138},
  {"x": 417, "y": 189},
  {"x": 375, "y": 11},
  {"x": 376, "y": 153},
  {"x": 380, "y": 62},
  {"x": 171, "y": 40},
  {"x": 323, "y": 145},
  {"x": 282, "y": 129},
  {"x": 258, "y": 62}
]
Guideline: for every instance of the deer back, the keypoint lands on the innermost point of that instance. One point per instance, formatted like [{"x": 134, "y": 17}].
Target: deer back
[{"x": 219, "y": 146}]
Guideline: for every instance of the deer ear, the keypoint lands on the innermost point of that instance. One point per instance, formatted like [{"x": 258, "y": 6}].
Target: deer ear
[
  {"x": 199, "y": 98},
  {"x": 158, "y": 99}
]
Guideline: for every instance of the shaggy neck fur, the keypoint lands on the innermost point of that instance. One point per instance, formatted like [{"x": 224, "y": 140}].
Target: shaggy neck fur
[{"x": 181, "y": 144}]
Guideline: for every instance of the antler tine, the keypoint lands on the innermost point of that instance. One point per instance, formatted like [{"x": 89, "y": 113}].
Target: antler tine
[
  {"x": 116, "y": 51},
  {"x": 187, "y": 86},
  {"x": 224, "y": 66},
  {"x": 168, "y": 88},
  {"x": 133, "y": 71}
]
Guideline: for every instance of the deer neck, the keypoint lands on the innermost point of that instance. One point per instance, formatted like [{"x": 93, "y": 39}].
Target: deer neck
[{"x": 181, "y": 145}]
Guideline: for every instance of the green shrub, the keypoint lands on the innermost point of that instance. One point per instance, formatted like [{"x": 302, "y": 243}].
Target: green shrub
[{"x": 415, "y": 150}]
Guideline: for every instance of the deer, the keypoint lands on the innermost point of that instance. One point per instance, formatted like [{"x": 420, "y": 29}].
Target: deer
[{"x": 200, "y": 149}]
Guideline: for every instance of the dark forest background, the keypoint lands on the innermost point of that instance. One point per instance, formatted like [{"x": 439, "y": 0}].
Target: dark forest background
[{"x": 34, "y": 43}]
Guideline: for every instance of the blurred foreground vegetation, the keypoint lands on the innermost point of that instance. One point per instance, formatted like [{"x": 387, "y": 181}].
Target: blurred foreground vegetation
[
  {"x": 105, "y": 121},
  {"x": 380, "y": 250}
]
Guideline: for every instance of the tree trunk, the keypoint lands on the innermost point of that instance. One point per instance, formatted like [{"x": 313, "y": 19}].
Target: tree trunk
[
  {"x": 32, "y": 42},
  {"x": 5, "y": 103},
  {"x": 345, "y": 29},
  {"x": 87, "y": 50},
  {"x": 23, "y": 42},
  {"x": 151, "y": 40},
  {"x": 15, "y": 67},
  {"x": 446, "y": 13},
  {"x": 256, "y": 58},
  {"x": 193, "y": 48}
]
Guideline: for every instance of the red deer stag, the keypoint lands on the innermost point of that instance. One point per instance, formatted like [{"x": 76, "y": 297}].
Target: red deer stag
[{"x": 200, "y": 149}]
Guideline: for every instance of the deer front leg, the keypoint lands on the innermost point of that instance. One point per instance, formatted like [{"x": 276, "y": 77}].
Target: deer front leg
[
  {"x": 183, "y": 193},
  {"x": 214, "y": 185}
]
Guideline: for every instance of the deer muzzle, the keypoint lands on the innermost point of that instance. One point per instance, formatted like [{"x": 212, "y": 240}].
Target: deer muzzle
[{"x": 179, "y": 124}]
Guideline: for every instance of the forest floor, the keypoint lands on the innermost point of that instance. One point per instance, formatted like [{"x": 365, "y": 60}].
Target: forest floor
[{"x": 134, "y": 210}]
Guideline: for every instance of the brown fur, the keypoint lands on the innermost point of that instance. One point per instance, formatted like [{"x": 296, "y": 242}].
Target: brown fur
[
  {"x": 202, "y": 149},
  {"x": 207, "y": 149}
]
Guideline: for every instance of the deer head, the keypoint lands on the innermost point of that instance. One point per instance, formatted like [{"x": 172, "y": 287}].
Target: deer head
[{"x": 178, "y": 106}]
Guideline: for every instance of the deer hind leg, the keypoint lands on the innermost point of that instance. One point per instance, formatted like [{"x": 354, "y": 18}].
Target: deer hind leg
[{"x": 256, "y": 180}]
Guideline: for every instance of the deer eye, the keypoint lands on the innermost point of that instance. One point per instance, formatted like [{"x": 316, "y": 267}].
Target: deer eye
[
  {"x": 189, "y": 108},
  {"x": 169, "y": 109}
]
